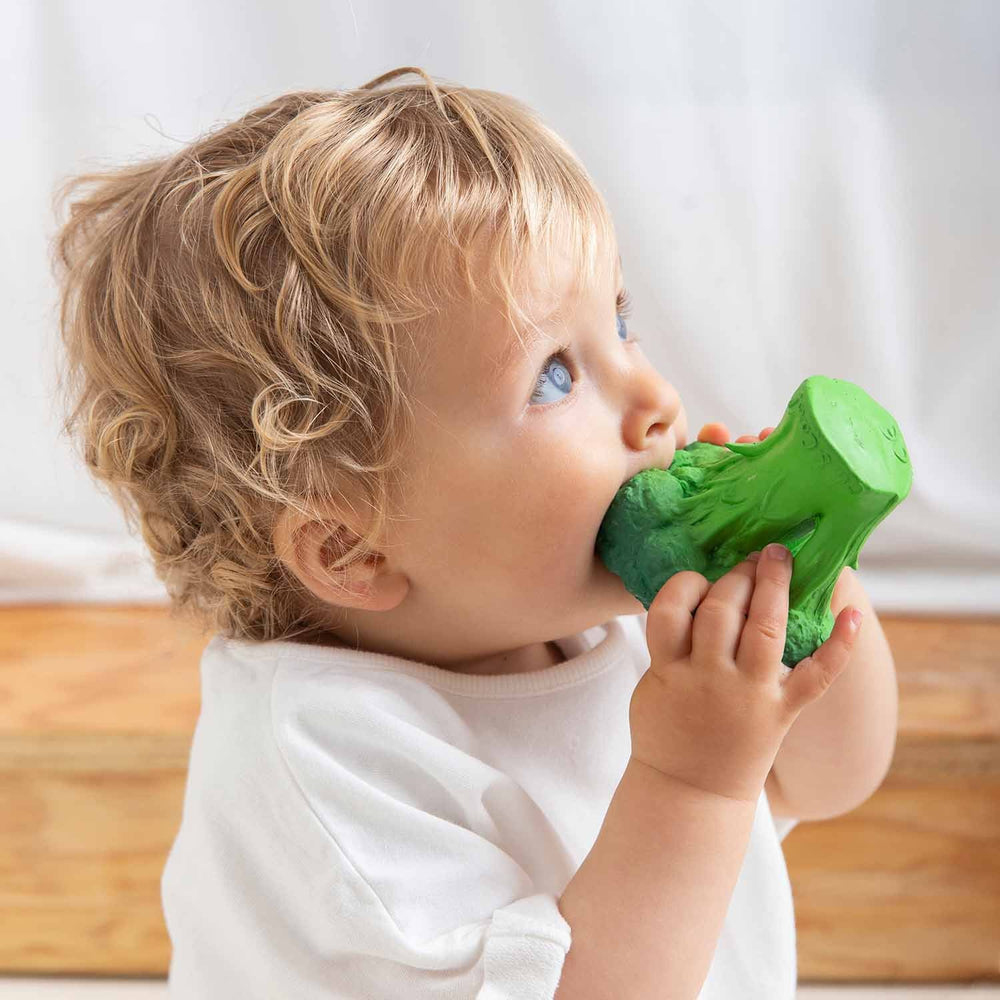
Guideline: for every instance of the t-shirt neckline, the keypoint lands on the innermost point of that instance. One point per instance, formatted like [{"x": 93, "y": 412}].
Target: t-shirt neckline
[{"x": 579, "y": 665}]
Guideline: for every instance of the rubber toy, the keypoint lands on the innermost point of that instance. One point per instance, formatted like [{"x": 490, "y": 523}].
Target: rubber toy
[{"x": 831, "y": 470}]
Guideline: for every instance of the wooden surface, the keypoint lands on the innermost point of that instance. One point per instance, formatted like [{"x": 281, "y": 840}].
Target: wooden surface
[{"x": 98, "y": 709}]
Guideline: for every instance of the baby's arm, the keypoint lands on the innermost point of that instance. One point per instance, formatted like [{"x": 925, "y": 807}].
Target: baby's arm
[
  {"x": 647, "y": 905},
  {"x": 839, "y": 750}
]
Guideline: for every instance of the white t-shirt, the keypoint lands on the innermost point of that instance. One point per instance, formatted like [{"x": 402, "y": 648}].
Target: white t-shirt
[{"x": 367, "y": 827}]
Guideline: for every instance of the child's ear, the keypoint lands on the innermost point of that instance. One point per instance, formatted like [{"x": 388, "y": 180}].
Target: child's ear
[{"x": 309, "y": 547}]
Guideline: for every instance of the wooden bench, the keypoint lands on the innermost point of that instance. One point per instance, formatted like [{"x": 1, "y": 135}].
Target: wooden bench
[{"x": 99, "y": 707}]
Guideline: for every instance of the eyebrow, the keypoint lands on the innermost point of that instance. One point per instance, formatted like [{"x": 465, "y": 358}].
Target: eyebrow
[{"x": 531, "y": 337}]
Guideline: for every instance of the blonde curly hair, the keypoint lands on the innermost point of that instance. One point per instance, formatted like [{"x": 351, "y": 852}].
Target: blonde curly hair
[{"x": 235, "y": 317}]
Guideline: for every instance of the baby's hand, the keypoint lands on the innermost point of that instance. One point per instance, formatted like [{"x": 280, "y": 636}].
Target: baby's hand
[
  {"x": 719, "y": 434},
  {"x": 715, "y": 704}
]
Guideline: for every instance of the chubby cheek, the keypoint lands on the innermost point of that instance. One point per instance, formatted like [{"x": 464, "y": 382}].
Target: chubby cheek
[
  {"x": 560, "y": 521},
  {"x": 524, "y": 518}
]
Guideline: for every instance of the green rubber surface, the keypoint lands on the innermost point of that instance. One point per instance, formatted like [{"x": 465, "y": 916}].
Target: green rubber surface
[{"x": 832, "y": 469}]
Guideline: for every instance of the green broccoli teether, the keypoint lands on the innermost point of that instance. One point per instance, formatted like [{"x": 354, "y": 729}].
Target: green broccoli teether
[{"x": 833, "y": 468}]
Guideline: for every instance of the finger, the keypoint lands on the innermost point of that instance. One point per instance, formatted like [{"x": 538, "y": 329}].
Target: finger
[
  {"x": 763, "y": 641},
  {"x": 668, "y": 621},
  {"x": 749, "y": 437},
  {"x": 722, "y": 613},
  {"x": 814, "y": 674},
  {"x": 715, "y": 433}
]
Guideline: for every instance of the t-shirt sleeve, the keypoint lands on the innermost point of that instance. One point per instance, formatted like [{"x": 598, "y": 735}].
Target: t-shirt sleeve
[
  {"x": 439, "y": 862},
  {"x": 784, "y": 825}
]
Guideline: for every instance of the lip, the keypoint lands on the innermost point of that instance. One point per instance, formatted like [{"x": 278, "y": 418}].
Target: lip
[{"x": 663, "y": 463}]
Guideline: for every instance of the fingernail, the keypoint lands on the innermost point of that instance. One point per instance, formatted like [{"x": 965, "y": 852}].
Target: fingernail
[
  {"x": 856, "y": 617},
  {"x": 777, "y": 551},
  {"x": 754, "y": 556}
]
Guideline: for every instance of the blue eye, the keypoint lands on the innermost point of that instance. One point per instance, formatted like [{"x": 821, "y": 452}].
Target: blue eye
[
  {"x": 622, "y": 328},
  {"x": 557, "y": 375}
]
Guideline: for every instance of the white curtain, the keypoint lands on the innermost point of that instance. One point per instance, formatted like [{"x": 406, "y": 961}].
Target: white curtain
[{"x": 799, "y": 188}]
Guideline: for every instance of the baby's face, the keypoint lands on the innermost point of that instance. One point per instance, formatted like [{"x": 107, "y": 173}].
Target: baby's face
[{"x": 510, "y": 477}]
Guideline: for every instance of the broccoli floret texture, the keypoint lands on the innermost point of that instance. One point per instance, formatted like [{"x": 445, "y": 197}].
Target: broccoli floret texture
[{"x": 831, "y": 470}]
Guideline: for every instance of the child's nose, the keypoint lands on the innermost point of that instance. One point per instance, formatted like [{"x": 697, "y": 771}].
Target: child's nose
[{"x": 653, "y": 408}]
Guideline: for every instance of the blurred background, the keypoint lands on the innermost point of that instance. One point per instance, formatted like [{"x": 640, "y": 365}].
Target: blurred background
[{"x": 800, "y": 188}]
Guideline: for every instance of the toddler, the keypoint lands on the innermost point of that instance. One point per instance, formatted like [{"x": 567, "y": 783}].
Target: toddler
[{"x": 357, "y": 366}]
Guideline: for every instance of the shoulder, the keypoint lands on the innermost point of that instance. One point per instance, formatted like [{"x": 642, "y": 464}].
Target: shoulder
[
  {"x": 399, "y": 782},
  {"x": 373, "y": 751},
  {"x": 355, "y": 695}
]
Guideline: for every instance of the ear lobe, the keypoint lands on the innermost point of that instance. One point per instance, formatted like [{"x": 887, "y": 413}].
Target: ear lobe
[{"x": 309, "y": 549}]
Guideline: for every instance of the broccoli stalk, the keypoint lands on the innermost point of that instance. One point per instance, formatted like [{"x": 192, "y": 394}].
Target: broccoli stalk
[{"x": 833, "y": 468}]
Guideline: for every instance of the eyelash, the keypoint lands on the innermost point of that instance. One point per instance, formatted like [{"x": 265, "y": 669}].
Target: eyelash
[{"x": 623, "y": 307}]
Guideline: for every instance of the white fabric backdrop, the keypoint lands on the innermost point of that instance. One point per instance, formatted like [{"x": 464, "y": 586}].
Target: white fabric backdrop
[{"x": 800, "y": 188}]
